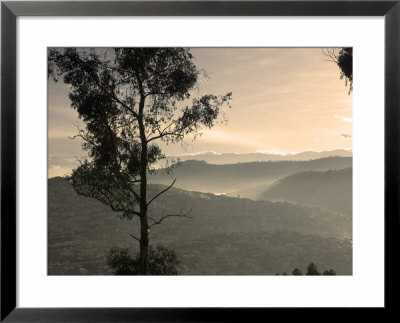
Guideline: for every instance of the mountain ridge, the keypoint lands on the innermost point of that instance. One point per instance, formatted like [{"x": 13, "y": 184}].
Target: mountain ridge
[
  {"x": 233, "y": 158},
  {"x": 196, "y": 175}
]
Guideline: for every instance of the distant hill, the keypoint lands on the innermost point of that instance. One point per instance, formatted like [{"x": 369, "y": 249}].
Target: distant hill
[
  {"x": 200, "y": 176},
  {"x": 81, "y": 230},
  {"x": 232, "y": 158},
  {"x": 330, "y": 189}
]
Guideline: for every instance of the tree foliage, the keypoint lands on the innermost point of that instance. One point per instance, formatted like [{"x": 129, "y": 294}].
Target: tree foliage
[
  {"x": 161, "y": 261},
  {"x": 343, "y": 58},
  {"x": 296, "y": 272},
  {"x": 329, "y": 272},
  {"x": 130, "y": 99},
  {"x": 312, "y": 270}
]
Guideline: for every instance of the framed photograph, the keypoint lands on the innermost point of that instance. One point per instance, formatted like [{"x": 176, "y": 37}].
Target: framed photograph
[{"x": 198, "y": 160}]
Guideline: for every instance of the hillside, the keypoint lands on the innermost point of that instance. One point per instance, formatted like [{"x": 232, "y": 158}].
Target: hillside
[
  {"x": 330, "y": 190},
  {"x": 263, "y": 253},
  {"x": 200, "y": 176},
  {"x": 225, "y": 235}
]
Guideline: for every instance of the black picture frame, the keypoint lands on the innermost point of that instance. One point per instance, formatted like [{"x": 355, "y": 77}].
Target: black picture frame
[{"x": 10, "y": 10}]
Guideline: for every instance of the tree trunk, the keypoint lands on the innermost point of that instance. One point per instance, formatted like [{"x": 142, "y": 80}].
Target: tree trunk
[
  {"x": 144, "y": 246},
  {"x": 144, "y": 227}
]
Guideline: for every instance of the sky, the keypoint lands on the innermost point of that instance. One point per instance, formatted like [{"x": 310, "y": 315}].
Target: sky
[{"x": 284, "y": 100}]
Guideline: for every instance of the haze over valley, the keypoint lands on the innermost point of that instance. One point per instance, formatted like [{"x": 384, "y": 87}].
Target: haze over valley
[{"x": 299, "y": 213}]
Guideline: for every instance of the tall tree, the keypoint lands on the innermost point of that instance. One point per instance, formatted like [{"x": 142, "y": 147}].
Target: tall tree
[
  {"x": 312, "y": 270},
  {"x": 343, "y": 58},
  {"x": 296, "y": 272},
  {"x": 130, "y": 99}
]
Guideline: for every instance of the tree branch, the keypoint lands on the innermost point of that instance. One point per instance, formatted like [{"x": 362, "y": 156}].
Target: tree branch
[
  {"x": 135, "y": 181},
  {"x": 180, "y": 215},
  {"x": 79, "y": 135},
  {"x": 112, "y": 94},
  {"x": 178, "y": 131},
  {"x": 138, "y": 197},
  {"x": 162, "y": 192},
  {"x": 113, "y": 207},
  {"x": 134, "y": 237}
]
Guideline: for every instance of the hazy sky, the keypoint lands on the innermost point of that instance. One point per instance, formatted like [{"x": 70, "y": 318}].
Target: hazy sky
[{"x": 284, "y": 100}]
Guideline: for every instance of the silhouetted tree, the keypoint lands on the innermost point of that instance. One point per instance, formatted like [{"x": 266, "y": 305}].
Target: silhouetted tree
[
  {"x": 161, "y": 261},
  {"x": 130, "y": 98},
  {"x": 329, "y": 272},
  {"x": 312, "y": 270},
  {"x": 296, "y": 272},
  {"x": 343, "y": 58}
]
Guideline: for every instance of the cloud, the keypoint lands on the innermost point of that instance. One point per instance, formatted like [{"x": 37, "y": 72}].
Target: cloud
[
  {"x": 346, "y": 136},
  {"x": 343, "y": 118},
  {"x": 252, "y": 141},
  {"x": 204, "y": 152}
]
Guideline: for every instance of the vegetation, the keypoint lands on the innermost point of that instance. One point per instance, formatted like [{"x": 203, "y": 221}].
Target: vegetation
[
  {"x": 343, "y": 58},
  {"x": 228, "y": 236},
  {"x": 162, "y": 261},
  {"x": 296, "y": 272},
  {"x": 130, "y": 99},
  {"x": 312, "y": 270}
]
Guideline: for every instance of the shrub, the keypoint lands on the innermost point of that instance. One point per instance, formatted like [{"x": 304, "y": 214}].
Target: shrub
[{"x": 162, "y": 261}]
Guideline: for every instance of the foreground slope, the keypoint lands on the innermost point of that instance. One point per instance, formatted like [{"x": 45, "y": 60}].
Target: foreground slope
[{"x": 225, "y": 235}]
